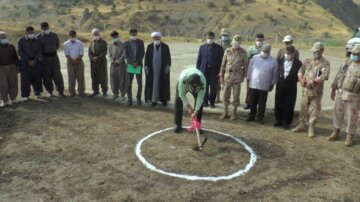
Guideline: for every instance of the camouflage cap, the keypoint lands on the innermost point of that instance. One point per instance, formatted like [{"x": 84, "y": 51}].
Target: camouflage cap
[
  {"x": 356, "y": 49},
  {"x": 317, "y": 46},
  {"x": 225, "y": 31}
]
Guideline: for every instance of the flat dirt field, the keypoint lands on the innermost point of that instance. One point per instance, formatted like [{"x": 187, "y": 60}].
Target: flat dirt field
[{"x": 83, "y": 149}]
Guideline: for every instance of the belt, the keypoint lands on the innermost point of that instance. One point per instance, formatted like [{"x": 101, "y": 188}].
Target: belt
[{"x": 50, "y": 54}]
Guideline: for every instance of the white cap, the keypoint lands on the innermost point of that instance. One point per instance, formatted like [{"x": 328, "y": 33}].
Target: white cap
[
  {"x": 287, "y": 38},
  {"x": 154, "y": 34},
  {"x": 3, "y": 33},
  {"x": 95, "y": 30}
]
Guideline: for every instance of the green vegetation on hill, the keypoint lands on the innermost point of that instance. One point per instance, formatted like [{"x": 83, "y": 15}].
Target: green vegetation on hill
[{"x": 307, "y": 20}]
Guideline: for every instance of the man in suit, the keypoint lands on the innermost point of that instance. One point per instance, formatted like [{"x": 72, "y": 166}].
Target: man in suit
[
  {"x": 157, "y": 70},
  {"x": 209, "y": 63},
  {"x": 134, "y": 54},
  {"x": 286, "y": 87}
]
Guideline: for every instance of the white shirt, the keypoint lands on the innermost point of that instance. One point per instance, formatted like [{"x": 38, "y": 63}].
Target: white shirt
[
  {"x": 74, "y": 49},
  {"x": 262, "y": 72},
  {"x": 287, "y": 67}
]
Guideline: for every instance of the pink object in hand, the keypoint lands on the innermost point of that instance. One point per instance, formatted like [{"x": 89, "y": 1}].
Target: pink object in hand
[{"x": 195, "y": 124}]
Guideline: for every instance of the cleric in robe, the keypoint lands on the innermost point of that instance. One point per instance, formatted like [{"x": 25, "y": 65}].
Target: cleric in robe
[{"x": 157, "y": 70}]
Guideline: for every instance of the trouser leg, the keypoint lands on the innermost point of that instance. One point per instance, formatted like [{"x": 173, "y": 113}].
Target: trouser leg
[
  {"x": 71, "y": 69},
  {"x": 139, "y": 82},
  {"x": 57, "y": 75},
  {"x": 13, "y": 82},
  {"x": 47, "y": 75},
  {"x": 339, "y": 112},
  {"x": 304, "y": 108},
  {"x": 80, "y": 77},
  {"x": 248, "y": 94},
  {"x": 227, "y": 93},
  {"x": 262, "y": 103},
  {"x": 178, "y": 109},
  {"x": 4, "y": 83},
  {"x": 129, "y": 85},
  {"x": 103, "y": 79},
  {"x": 352, "y": 115},
  {"x": 315, "y": 109},
  {"x": 254, "y": 93},
  {"x": 114, "y": 80},
  {"x": 213, "y": 89},
  {"x": 94, "y": 78},
  {"x": 25, "y": 80},
  {"x": 236, "y": 94},
  {"x": 122, "y": 80},
  {"x": 35, "y": 78}
]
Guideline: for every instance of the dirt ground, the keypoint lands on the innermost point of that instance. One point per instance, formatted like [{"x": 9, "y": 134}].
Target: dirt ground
[{"x": 83, "y": 149}]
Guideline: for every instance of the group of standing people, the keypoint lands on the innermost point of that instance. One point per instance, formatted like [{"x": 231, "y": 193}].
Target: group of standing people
[
  {"x": 231, "y": 66},
  {"x": 224, "y": 65},
  {"x": 39, "y": 66}
]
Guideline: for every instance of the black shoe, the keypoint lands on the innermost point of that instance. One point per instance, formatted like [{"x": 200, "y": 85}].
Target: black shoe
[
  {"x": 62, "y": 95},
  {"x": 250, "y": 118},
  {"x": 129, "y": 102},
  {"x": 278, "y": 124},
  {"x": 212, "y": 106},
  {"x": 286, "y": 126},
  {"x": 94, "y": 94},
  {"x": 247, "y": 107},
  {"x": 154, "y": 104},
  {"x": 104, "y": 94},
  {"x": 164, "y": 104},
  {"x": 261, "y": 121},
  {"x": 177, "y": 129},
  {"x": 139, "y": 102},
  {"x": 80, "y": 94}
]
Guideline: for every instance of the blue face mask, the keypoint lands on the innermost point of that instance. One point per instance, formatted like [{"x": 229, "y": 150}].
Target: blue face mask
[
  {"x": 114, "y": 40},
  {"x": 224, "y": 38},
  {"x": 354, "y": 58},
  {"x": 4, "y": 41}
]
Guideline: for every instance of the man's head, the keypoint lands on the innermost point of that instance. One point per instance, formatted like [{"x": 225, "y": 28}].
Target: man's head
[
  {"x": 259, "y": 40},
  {"x": 156, "y": 37},
  {"x": 288, "y": 40},
  {"x": 236, "y": 41},
  {"x": 133, "y": 34},
  {"x": 317, "y": 50},
  {"x": 289, "y": 52},
  {"x": 96, "y": 34},
  {"x": 72, "y": 35},
  {"x": 225, "y": 35},
  {"x": 114, "y": 36},
  {"x": 45, "y": 28},
  {"x": 210, "y": 36},
  {"x": 355, "y": 54},
  {"x": 30, "y": 32},
  {"x": 265, "y": 51},
  {"x": 194, "y": 83},
  {"x": 3, "y": 38}
]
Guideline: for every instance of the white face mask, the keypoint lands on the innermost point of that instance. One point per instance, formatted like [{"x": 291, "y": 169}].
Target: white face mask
[
  {"x": 224, "y": 38},
  {"x": 316, "y": 55},
  {"x": 259, "y": 43},
  {"x": 288, "y": 57},
  {"x": 157, "y": 42},
  {"x": 210, "y": 41},
  {"x": 264, "y": 55},
  {"x": 31, "y": 36},
  {"x": 47, "y": 31},
  {"x": 133, "y": 37},
  {"x": 96, "y": 38},
  {"x": 73, "y": 39}
]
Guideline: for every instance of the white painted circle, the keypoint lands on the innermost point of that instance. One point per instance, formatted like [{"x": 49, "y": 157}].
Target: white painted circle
[{"x": 194, "y": 177}]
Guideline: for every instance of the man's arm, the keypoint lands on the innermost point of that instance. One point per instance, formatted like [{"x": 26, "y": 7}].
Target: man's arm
[
  {"x": 201, "y": 94},
  {"x": 104, "y": 51},
  {"x": 182, "y": 91},
  {"x": 141, "y": 53},
  {"x": 325, "y": 71},
  {"x": 222, "y": 69},
  {"x": 57, "y": 42},
  {"x": 198, "y": 61},
  {"x": 249, "y": 69}
]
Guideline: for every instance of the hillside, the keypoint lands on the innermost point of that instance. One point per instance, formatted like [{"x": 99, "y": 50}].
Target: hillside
[{"x": 306, "y": 19}]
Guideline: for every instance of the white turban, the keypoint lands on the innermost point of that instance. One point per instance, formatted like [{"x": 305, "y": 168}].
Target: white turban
[
  {"x": 154, "y": 34},
  {"x": 95, "y": 30},
  {"x": 2, "y": 33}
]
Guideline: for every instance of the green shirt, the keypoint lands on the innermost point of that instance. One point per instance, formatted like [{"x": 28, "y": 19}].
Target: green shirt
[
  {"x": 252, "y": 50},
  {"x": 183, "y": 87}
]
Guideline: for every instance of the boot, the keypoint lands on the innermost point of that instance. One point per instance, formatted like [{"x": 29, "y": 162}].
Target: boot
[
  {"x": 299, "y": 128},
  {"x": 225, "y": 115},
  {"x": 349, "y": 140},
  {"x": 334, "y": 135},
  {"x": 311, "y": 133},
  {"x": 234, "y": 114}
]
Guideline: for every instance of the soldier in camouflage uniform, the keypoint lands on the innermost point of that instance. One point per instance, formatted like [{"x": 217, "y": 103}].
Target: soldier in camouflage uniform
[
  {"x": 312, "y": 76},
  {"x": 346, "y": 92},
  {"x": 232, "y": 74},
  {"x": 225, "y": 42}
]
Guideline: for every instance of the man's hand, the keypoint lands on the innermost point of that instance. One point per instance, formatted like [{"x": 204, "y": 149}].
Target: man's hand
[
  {"x": 135, "y": 64},
  {"x": 32, "y": 63},
  {"x": 193, "y": 115},
  {"x": 333, "y": 93},
  {"x": 271, "y": 87},
  {"x": 310, "y": 84},
  {"x": 303, "y": 82},
  {"x": 190, "y": 109},
  {"x": 94, "y": 59}
]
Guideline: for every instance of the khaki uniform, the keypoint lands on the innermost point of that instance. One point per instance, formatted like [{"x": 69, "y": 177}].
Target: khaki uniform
[
  {"x": 311, "y": 100},
  {"x": 347, "y": 85},
  {"x": 234, "y": 66}
]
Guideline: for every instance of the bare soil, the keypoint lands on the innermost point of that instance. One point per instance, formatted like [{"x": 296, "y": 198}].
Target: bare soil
[{"x": 83, "y": 149}]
